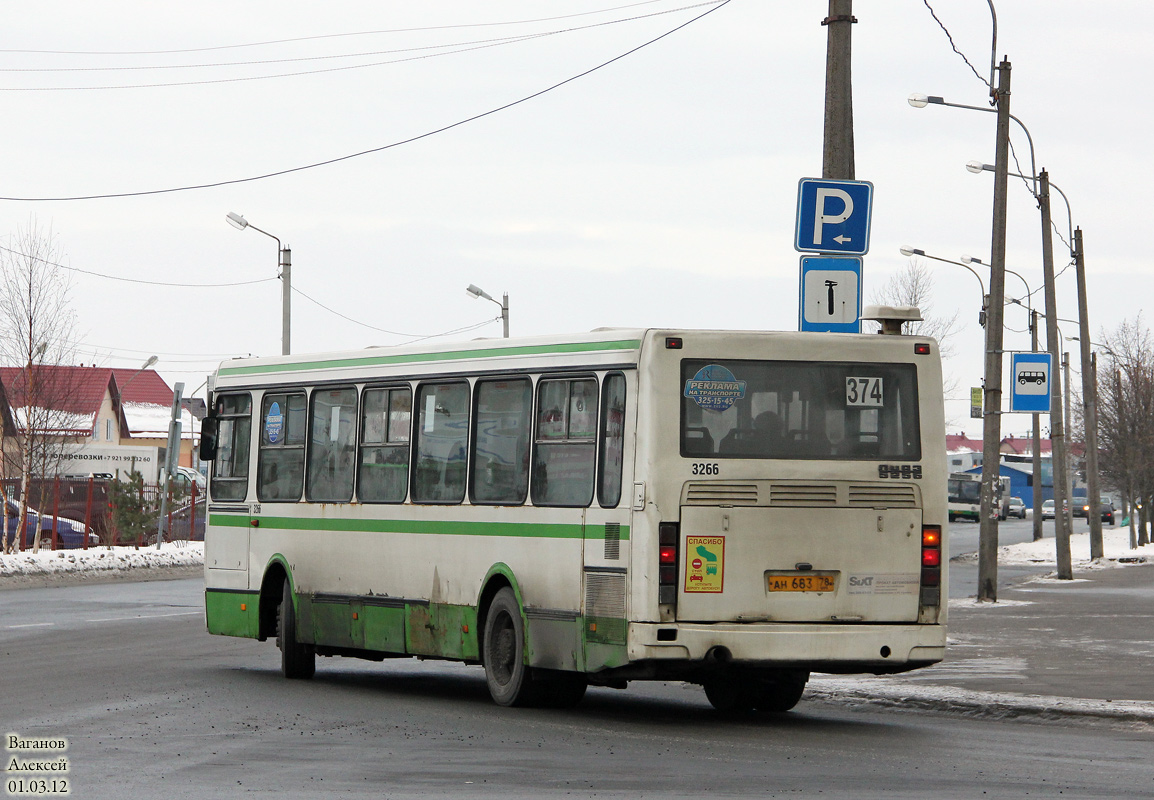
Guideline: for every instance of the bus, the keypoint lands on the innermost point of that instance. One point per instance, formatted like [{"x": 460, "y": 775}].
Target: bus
[
  {"x": 964, "y": 491},
  {"x": 731, "y": 509}
]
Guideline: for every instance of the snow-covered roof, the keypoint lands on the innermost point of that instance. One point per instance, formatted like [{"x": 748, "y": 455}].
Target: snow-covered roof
[{"x": 150, "y": 421}]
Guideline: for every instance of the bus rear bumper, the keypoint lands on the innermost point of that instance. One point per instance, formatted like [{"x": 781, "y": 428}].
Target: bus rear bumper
[{"x": 844, "y": 648}]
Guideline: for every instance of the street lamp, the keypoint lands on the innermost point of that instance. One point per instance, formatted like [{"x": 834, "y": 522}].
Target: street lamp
[
  {"x": 991, "y": 421},
  {"x": 477, "y": 292},
  {"x": 151, "y": 360},
  {"x": 240, "y": 223},
  {"x": 1089, "y": 385},
  {"x": 908, "y": 251}
]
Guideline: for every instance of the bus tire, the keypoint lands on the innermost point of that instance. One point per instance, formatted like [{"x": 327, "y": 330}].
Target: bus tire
[
  {"x": 510, "y": 680},
  {"x": 297, "y": 660},
  {"x": 780, "y": 692}
]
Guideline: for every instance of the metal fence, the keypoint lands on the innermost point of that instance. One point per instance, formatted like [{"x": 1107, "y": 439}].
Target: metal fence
[{"x": 70, "y": 513}]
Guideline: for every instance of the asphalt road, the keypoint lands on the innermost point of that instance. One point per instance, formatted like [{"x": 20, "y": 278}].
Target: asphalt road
[{"x": 152, "y": 706}]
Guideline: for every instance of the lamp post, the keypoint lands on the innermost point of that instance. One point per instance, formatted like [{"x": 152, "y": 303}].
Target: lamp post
[
  {"x": 285, "y": 263},
  {"x": 477, "y": 292},
  {"x": 1089, "y": 385},
  {"x": 908, "y": 251},
  {"x": 991, "y": 416},
  {"x": 151, "y": 360}
]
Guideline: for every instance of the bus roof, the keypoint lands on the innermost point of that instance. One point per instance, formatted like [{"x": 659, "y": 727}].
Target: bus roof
[{"x": 600, "y": 348}]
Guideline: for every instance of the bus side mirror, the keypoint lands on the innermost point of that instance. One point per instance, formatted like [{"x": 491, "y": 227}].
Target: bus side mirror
[{"x": 208, "y": 432}]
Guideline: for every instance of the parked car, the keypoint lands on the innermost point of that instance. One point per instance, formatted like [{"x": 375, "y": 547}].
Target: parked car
[
  {"x": 70, "y": 533},
  {"x": 1017, "y": 508},
  {"x": 1048, "y": 509}
]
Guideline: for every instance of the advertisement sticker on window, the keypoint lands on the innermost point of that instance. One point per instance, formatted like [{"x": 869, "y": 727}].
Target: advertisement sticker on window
[{"x": 715, "y": 388}]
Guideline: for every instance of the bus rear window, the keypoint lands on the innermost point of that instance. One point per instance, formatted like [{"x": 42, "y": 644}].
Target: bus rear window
[{"x": 799, "y": 410}]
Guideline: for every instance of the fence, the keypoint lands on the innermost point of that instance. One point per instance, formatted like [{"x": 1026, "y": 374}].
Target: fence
[{"x": 70, "y": 513}]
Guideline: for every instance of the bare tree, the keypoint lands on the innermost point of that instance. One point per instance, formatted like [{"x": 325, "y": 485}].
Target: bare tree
[
  {"x": 1126, "y": 419},
  {"x": 36, "y": 333},
  {"x": 914, "y": 286}
]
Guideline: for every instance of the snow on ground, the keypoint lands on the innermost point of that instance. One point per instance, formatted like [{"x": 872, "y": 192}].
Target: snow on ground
[
  {"x": 101, "y": 560},
  {"x": 1115, "y": 550}
]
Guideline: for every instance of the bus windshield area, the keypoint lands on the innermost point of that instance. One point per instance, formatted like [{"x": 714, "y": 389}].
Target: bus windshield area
[
  {"x": 799, "y": 410},
  {"x": 965, "y": 490}
]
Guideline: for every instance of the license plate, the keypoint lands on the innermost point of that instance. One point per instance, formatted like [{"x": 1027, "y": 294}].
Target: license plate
[{"x": 795, "y": 582}]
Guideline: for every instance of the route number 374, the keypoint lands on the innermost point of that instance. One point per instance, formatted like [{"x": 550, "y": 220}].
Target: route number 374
[{"x": 863, "y": 392}]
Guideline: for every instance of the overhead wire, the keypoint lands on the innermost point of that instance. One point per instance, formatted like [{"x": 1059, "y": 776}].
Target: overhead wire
[
  {"x": 716, "y": 5},
  {"x": 326, "y": 35}
]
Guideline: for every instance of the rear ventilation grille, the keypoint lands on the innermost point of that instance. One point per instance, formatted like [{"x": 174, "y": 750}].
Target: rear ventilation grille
[
  {"x": 605, "y": 607},
  {"x": 807, "y": 495},
  {"x": 612, "y": 541},
  {"x": 882, "y": 496},
  {"x": 721, "y": 494}
]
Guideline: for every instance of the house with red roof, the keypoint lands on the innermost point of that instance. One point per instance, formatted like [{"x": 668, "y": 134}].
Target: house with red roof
[{"x": 88, "y": 406}]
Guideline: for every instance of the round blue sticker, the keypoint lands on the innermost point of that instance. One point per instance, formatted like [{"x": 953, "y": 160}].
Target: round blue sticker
[
  {"x": 714, "y": 387},
  {"x": 274, "y": 423}
]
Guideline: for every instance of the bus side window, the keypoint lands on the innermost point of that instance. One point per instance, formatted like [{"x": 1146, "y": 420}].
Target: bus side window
[
  {"x": 280, "y": 475},
  {"x": 230, "y": 467},
  {"x": 442, "y": 438},
  {"x": 332, "y": 444},
  {"x": 612, "y": 440},
  {"x": 502, "y": 421},
  {"x": 566, "y": 444},
  {"x": 383, "y": 473}
]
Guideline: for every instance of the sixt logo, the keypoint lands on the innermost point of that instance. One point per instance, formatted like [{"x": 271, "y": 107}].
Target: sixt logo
[{"x": 855, "y": 581}]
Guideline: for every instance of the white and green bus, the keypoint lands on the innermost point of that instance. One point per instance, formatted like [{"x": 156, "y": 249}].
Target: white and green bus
[{"x": 733, "y": 509}]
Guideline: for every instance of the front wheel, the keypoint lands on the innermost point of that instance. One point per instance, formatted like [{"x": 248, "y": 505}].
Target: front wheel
[{"x": 297, "y": 660}]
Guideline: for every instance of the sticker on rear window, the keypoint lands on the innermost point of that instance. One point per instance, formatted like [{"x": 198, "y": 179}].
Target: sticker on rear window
[{"x": 714, "y": 387}]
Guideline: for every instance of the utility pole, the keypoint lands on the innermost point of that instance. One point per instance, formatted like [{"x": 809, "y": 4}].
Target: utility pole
[
  {"x": 1057, "y": 429},
  {"x": 1036, "y": 444},
  {"x": 1089, "y": 407},
  {"x": 992, "y": 420},
  {"x": 837, "y": 153},
  {"x": 286, "y": 266}
]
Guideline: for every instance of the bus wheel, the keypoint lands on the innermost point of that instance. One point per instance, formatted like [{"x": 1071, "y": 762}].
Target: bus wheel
[
  {"x": 728, "y": 694},
  {"x": 510, "y": 680},
  {"x": 296, "y": 660},
  {"x": 779, "y": 692}
]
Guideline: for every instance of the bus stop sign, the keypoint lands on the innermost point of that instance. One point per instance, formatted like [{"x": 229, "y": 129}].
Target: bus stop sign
[{"x": 1030, "y": 374}]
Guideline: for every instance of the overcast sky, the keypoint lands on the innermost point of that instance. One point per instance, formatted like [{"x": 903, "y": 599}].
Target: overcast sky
[{"x": 659, "y": 190}]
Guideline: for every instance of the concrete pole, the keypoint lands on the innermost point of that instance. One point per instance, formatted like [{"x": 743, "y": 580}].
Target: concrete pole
[
  {"x": 505, "y": 313},
  {"x": 171, "y": 460},
  {"x": 1089, "y": 407},
  {"x": 992, "y": 420},
  {"x": 1057, "y": 428},
  {"x": 837, "y": 153},
  {"x": 1036, "y": 443},
  {"x": 286, "y": 261},
  {"x": 1069, "y": 452}
]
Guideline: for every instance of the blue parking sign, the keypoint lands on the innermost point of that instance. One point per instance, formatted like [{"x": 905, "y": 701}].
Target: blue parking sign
[{"x": 833, "y": 216}]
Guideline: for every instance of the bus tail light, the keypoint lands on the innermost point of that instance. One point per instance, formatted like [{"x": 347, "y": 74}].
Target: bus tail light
[
  {"x": 668, "y": 540},
  {"x": 931, "y": 565}
]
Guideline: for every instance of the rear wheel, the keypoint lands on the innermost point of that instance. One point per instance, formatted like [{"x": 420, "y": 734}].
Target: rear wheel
[
  {"x": 297, "y": 660},
  {"x": 767, "y": 692},
  {"x": 780, "y": 692},
  {"x": 510, "y": 679}
]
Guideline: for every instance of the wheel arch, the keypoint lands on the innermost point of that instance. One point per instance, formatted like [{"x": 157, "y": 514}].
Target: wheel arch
[
  {"x": 275, "y": 575},
  {"x": 499, "y": 576}
]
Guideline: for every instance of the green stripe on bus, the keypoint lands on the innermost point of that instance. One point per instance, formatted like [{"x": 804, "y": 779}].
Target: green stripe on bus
[
  {"x": 414, "y": 358},
  {"x": 537, "y": 530}
]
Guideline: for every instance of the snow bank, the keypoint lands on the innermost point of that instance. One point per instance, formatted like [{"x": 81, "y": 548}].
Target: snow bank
[
  {"x": 1115, "y": 550},
  {"x": 101, "y": 560}
]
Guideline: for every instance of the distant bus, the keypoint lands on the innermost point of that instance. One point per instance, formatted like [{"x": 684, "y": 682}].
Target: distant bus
[
  {"x": 732, "y": 509},
  {"x": 964, "y": 490}
]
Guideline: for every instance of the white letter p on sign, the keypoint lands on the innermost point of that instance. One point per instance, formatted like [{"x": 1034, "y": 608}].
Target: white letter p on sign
[{"x": 821, "y": 218}]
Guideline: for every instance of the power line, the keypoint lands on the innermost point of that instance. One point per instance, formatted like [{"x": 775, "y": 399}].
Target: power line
[
  {"x": 325, "y": 36},
  {"x": 139, "y": 280},
  {"x": 717, "y": 4},
  {"x": 482, "y": 45},
  {"x": 416, "y": 336}
]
